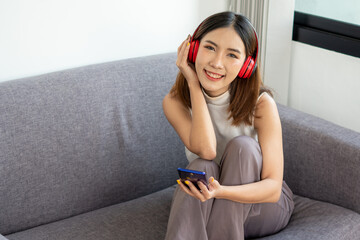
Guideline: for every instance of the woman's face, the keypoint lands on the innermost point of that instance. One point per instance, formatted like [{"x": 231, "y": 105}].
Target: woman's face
[{"x": 220, "y": 57}]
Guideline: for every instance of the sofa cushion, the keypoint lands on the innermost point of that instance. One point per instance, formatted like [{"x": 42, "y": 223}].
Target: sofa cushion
[
  {"x": 143, "y": 218},
  {"x": 146, "y": 218},
  {"x": 319, "y": 220}
]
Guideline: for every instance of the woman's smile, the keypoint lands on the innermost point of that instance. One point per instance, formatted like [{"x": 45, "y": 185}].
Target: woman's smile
[{"x": 213, "y": 76}]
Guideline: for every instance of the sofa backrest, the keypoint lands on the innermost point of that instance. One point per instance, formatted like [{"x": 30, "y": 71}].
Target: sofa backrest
[
  {"x": 322, "y": 159},
  {"x": 82, "y": 139}
]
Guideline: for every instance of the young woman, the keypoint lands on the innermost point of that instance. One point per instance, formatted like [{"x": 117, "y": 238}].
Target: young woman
[{"x": 230, "y": 126}]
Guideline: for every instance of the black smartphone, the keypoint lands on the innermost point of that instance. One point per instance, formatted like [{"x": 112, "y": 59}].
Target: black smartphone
[{"x": 193, "y": 176}]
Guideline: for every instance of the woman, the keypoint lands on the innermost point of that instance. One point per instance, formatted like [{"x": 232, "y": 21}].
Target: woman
[{"x": 231, "y": 130}]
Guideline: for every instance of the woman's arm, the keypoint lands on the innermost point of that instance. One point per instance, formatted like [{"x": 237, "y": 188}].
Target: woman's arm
[
  {"x": 268, "y": 189},
  {"x": 196, "y": 129}
]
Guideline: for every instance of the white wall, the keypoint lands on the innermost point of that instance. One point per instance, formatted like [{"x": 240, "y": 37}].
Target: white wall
[
  {"x": 277, "y": 51},
  {"x": 209, "y": 7},
  {"x": 326, "y": 84},
  {"x": 44, "y": 36},
  {"x": 39, "y": 36}
]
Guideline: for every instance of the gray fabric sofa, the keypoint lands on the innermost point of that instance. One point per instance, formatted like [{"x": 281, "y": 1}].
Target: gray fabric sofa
[{"x": 87, "y": 153}]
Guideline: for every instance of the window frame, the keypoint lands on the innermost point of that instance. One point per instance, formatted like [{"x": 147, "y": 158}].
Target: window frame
[{"x": 327, "y": 33}]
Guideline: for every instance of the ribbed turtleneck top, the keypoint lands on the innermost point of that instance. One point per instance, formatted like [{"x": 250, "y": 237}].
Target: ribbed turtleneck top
[{"x": 224, "y": 131}]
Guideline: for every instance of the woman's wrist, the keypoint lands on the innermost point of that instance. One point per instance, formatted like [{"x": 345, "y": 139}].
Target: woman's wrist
[
  {"x": 219, "y": 194},
  {"x": 194, "y": 85}
]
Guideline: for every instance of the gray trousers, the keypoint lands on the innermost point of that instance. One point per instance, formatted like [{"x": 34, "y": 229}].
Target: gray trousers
[{"x": 241, "y": 163}]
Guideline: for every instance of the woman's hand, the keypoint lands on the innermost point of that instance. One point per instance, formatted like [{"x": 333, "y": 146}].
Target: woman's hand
[
  {"x": 204, "y": 194},
  {"x": 183, "y": 64}
]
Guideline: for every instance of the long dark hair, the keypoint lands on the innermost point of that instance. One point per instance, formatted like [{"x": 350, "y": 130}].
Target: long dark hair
[{"x": 243, "y": 92}]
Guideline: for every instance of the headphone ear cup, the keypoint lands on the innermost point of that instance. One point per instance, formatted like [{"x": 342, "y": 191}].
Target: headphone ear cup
[
  {"x": 250, "y": 69},
  {"x": 244, "y": 67},
  {"x": 247, "y": 69},
  {"x": 194, "y": 47}
]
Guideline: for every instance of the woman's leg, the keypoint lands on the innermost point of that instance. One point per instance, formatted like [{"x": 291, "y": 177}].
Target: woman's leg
[
  {"x": 241, "y": 163},
  {"x": 272, "y": 217},
  {"x": 189, "y": 216}
]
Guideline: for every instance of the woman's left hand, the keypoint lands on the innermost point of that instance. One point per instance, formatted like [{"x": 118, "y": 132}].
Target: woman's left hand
[{"x": 204, "y": 194}]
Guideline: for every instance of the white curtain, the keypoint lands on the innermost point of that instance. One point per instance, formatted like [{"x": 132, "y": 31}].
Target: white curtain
[
  {"x": 257, "y": 12},
  {"x": 273, "y": 21}
]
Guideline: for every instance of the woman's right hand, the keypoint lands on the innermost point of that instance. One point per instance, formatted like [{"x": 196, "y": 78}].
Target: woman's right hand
[{"x": 183, "y": 64}]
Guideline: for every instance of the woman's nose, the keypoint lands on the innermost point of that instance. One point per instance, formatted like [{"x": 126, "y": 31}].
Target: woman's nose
[{"x": 217, "y": 61}]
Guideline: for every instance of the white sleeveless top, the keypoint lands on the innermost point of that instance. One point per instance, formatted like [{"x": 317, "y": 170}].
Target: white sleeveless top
[{"x": 224, "y": 131}]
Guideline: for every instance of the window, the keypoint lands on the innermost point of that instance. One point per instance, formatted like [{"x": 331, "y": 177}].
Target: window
[
  {"x": 333, "y": 25},
  {"x": 343, "y": 11}
]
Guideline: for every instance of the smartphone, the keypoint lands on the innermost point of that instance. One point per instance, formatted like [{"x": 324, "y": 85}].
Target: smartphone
[{"x": 193, "y": 176}]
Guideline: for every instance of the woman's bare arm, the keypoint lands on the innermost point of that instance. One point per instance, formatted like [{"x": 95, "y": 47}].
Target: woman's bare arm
[
  {"x": 196, "y": 129},
  {"x": 268, "y": 189}
]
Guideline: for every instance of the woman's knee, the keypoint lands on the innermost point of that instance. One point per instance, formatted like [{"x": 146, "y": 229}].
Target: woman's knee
[
  {"x": 243, "y": 147},
  {"x": 209, "y": 167},
  {"x": 244, "y": 142},
  {"x": 242, "y": 158}
]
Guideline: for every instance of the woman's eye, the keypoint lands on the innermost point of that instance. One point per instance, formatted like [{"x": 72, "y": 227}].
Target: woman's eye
[
  {"x": 232, "y": 55},
  {"x": 209, "y": 47}
]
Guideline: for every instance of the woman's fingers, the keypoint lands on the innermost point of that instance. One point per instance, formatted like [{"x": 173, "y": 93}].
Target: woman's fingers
[
  {"x": 180, "y": 47},
  {"x": 186, "y": 50},
  {"x": 186, "y": 53},
  {"x": 180, "y": 55},
  {"x": 183, "y": 52},
  {"x": 191, "y": 189},
  {"x": 184, "y": 42},
  {"x": 207, "y": 194},
  {"x": 188, "y": 70},
  {"x": 184, "y": 188},
  {"x": 195, "y": 191},
  {"x": 204, "y": 193}
]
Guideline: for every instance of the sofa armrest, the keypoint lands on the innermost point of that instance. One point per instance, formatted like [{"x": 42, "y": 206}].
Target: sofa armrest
[{"x": 322, "y": 160}]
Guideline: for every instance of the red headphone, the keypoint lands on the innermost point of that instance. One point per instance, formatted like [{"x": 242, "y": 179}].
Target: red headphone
[{"x": 247, "y": 69}]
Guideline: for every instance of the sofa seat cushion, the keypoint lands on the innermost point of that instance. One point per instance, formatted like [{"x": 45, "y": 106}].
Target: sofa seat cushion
[
  {"x": 142, "y": 218},
  {"x": 319, "y": 220},
  {"x": 146, "y": 218}
]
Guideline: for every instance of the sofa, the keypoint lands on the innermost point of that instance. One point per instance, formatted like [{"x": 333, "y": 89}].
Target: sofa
[{"x": 86, "y": 153}]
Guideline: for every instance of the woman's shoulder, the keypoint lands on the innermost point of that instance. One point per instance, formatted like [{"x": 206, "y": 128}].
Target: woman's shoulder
[
  {"x": 265, "y": 99},
  {"x": 265, "y": 108},
  {"x": 171, "y": 103},
  {"x": 171, "y": 100}
]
